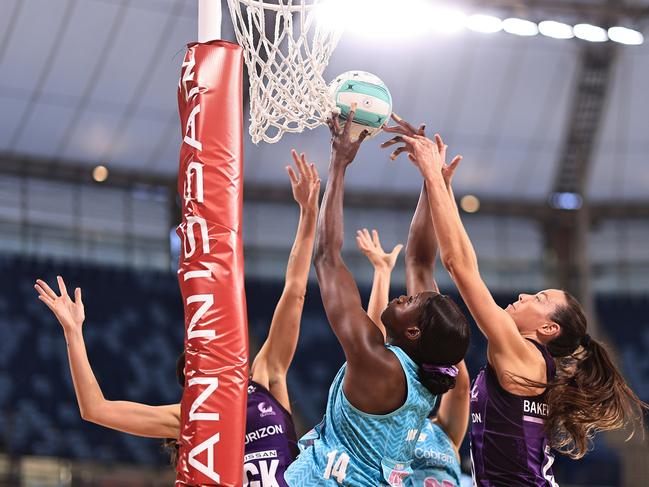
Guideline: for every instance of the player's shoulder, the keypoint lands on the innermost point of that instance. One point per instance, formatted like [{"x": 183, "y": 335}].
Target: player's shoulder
[{"x": 374, "y": 385}]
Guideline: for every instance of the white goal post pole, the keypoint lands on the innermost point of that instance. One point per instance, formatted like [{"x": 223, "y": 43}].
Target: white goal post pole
[{"x": 209, "y": 20}]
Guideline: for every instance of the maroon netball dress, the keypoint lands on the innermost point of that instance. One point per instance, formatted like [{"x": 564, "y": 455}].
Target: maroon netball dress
[
  {"x": 271, "y": 442},
  {"x": 509, "y": 446}
]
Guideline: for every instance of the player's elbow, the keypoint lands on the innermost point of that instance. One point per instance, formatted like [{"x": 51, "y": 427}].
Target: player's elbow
[
  {"x": 277, "y": 375},
  {"x": 419, "y": 263},
  {"x": 93, "y": 411},
  {"x": 296, "y": 291},
  {"x": 325, "y": 257},
  {"x": 456, "y": 264},
  {"x": 420, "y": 254},
  {"x": 450, "y": 262},
  {"x": 319, "y": 258},
  {"x": 88, "y": 414}
]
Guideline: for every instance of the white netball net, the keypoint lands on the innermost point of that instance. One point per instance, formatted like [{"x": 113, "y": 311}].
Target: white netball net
[{"x": 286, "y": 49}]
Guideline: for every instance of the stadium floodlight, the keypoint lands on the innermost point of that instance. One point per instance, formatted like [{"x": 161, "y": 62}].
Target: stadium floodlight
[
  {"x": 447, "y": 21},
  {"x": 590, "y": 33},
  {"x": 379, "y": 18},
  {"x": 417, "y": 19},
  {"x": 486, "y": 24},
  {"x": 627, "y": 36},
  {"x": 520, "y": 27},
  {"x": 566, "y": 201},
  {"x": 373, "y": 18},
  {"x": 556, "y": 30}
]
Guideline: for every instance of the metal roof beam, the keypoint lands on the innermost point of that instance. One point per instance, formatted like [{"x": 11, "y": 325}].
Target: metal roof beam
[
  {"x": 586, "y": 116},
  {"x": 78, "y": 173}
]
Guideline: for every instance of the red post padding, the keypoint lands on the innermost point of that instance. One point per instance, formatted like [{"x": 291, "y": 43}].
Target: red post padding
[{"x": 211, "y": 266}]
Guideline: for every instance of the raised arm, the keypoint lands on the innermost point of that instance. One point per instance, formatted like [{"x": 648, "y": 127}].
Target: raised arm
[
  {"x": 421, "y": 250},
  {"x": 383, "y": 264},
  {"x": 453, "y": 413},
  {"x": 273, "y": 360},
  {"x": 340, "y": 296},
  {"x": 458, "y": 256},
  {"x": 129, "y": 417},
  {"x": 421, "y": 253},
  {"x": 361, "y": 340}
]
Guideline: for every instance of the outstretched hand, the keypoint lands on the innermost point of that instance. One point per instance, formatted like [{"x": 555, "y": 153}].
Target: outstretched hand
[
  {"x": 306, "y": 183},
  {"x": 343, "y": 149},
  {"x": 426, "y": 154},
  {"x": 70, "y": 313},
  {"x": 371, "y": 247},
  {"x": 402, "y": 128}
]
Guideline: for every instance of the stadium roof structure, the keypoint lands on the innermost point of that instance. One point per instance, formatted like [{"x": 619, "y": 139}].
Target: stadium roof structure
[{"x": 94, "y": 82}]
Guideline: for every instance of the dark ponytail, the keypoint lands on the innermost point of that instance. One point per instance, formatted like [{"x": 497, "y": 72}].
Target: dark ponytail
[
  {"x": 444, "y": 340},
  {"x": 588, "y": 393},
  {"x": 172, "y": 445},
  {"x": 436, "y": 382}
]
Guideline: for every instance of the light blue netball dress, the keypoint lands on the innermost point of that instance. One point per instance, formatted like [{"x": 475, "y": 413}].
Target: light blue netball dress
[
  {"x": 353, "y": 448},
  {"x": 435, "y": 463}
]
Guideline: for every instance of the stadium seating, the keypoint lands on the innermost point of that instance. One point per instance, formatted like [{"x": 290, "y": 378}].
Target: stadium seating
[{"x": 134, "y": 330}]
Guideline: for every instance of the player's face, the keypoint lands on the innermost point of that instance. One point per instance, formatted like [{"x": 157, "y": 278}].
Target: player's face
[
  {"x": 403, "y": 312},
  {"x": 532, "y": 311}
]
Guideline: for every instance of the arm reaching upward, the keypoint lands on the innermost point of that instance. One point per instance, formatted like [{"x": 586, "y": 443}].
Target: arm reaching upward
[
  {"x": 129, "y": 417},
  {"x": 273, "y": 360},
  {"x": 421, "y": 250},
  {"x": 361, "y": 340},
  {"x": 506, "y": 345},
  {"x": 453, "y": 413},
  {"x": 383, "y": 264}
]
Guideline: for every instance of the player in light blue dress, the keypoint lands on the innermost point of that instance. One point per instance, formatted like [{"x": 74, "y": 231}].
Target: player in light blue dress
[
  {"x": 436, "y": 460},
  {"x": 380, "y": 398},
  {"x": 351, "y": 447}
]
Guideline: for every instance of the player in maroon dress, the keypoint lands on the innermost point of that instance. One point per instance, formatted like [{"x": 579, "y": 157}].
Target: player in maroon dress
[
  {"x": 270, "y": 443},
  {"x": 547, "y": 384}
]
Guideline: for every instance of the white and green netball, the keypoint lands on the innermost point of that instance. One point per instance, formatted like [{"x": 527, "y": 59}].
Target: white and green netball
[{"x": 372, "y": 98}]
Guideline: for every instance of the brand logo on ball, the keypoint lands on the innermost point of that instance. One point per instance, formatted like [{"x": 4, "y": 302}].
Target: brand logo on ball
[
  {"x": 371, "y": 96},
  {"x": 265, "y": 410}
]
